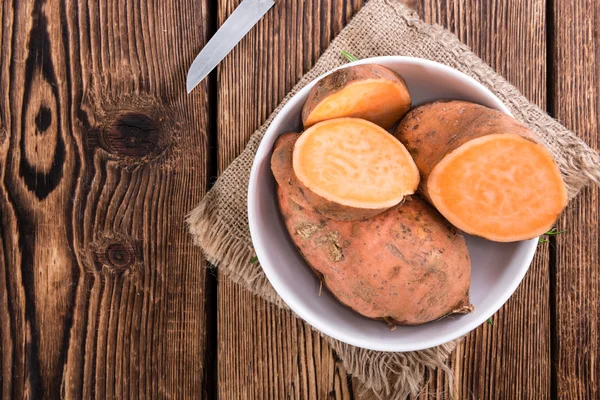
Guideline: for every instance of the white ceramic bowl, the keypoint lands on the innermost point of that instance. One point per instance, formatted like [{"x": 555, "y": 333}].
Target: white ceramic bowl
[{"x": 497, "y": 268}]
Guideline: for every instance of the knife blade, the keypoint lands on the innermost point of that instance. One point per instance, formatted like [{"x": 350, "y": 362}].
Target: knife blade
[{"x": 243, "y": 18}]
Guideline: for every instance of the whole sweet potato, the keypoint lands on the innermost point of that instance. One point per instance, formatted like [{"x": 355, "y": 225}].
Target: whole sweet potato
[{"x": 406, "y": 266}]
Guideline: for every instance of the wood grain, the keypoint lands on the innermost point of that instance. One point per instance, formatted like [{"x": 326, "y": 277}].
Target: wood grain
[
  {"x": 576, "y": 103},
  {"x": 264, "y": 352},
  {"x": 102, "y": 154},
  {"x": 511, "y": 359},
  {"x": 102, "y": 294}
]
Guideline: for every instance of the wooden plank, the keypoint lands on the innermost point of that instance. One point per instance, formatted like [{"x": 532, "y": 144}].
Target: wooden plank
[
  {"x": 266, "y": 353},
  {"x": 576, "y": 103},
  {"x": 511, "y": 359},
  {"x": 102, "y": 154}
]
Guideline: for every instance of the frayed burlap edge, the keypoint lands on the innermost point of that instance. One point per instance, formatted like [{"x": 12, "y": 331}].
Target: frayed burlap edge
[
  {"x": 218, "y": 224},
  {"x": 221, "y": 247}
]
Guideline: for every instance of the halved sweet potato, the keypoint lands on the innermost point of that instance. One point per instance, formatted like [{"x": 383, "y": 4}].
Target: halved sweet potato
[
  {"x": 406, "y": 266},
  {"x": 349, "y": 168},
  {"x": 281, "y": 165},
  {"x": 367, "y": 91},
  {"x": 483, "y": 170}
]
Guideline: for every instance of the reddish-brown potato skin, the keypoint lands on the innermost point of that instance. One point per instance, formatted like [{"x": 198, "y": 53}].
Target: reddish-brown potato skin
[
  {"x": 343, "y": 77},
  {"x": 283, "y": 170},
  {"x": 281, "y": 166},
  {"x": 432, "y": 130},
  {"x": 407, "y": 266}
]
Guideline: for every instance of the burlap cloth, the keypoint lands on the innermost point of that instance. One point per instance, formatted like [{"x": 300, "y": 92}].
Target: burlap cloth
[{"x": 382, "y": 27}]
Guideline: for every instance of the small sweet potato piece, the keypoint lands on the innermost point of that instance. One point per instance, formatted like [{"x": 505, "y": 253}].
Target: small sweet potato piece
[
  {"x": 406, "y": 266},
  {"x": 349, "y": 168},
  {"x": 369, "y": 91},
  {"x": 483, "y": 170}
]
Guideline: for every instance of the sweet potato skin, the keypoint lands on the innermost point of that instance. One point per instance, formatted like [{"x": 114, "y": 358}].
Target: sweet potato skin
[
  {"x": 432, "y": 130},
  {"x": 341, "y": 78},
  {"x": 282, "y": 168},
  {"x": 407, "y": 266}
]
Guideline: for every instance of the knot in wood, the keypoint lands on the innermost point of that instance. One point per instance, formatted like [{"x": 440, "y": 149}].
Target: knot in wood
[
  {"x": 132, "y": 135},
  {"x": 43, "y": 119},
  {"x": 116, "y": 254},
  {"x": 119, "y": 256}
]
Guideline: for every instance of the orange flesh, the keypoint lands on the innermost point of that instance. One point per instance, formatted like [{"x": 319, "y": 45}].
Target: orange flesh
[
  {"x": 355, "y": 163},
  {"x": 381, "y": 102},
  {"x": 501, "y": 187}
]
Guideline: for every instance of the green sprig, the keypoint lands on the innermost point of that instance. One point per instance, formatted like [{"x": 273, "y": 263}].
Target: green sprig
[
  {"x": 348, "y": 56},
  {"x": 551, "y": 232},
  {"x": 489, "y": 321},
  {"x": 253, "y": 260}
]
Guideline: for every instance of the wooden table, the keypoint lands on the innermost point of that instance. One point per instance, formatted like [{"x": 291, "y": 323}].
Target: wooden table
[{"x": 102, "y": 154}]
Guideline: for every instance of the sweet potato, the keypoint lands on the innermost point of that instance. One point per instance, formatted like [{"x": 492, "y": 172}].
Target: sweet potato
[
  {"x": 281, "y": 165},
  {"x": 347, "y": 169},
  {"x": 483, "y": 170},
  {"x": 406, "y": 266},
  {"x": 367, "y": 91}
]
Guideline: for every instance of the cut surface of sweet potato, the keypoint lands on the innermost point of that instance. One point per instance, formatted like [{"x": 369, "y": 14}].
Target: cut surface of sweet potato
[
  {"x": 500, "y": 186},
  {"x": 370, "y": 92},
  {"x": 355, "y": 163}
]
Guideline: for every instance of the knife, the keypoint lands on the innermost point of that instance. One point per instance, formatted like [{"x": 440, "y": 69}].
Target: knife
[{"x": 243, "y": 18}]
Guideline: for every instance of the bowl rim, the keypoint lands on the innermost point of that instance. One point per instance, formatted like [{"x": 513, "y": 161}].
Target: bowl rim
[{"x": 305, "y": 312}]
